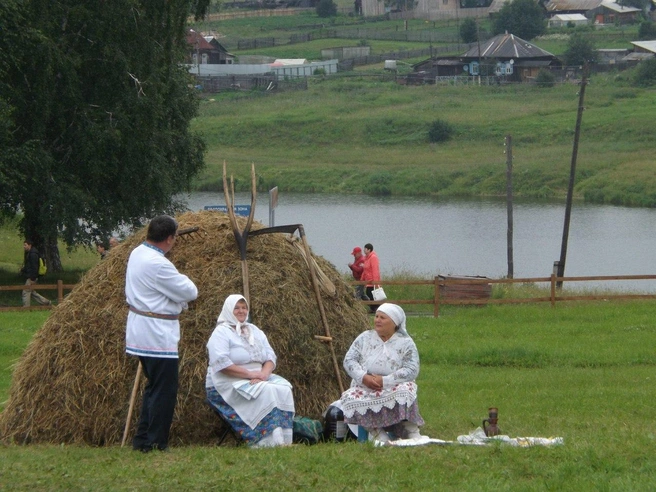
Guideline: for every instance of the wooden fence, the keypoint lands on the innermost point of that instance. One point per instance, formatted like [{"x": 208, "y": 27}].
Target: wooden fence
[
  {"x": 441, "y": 285},
  {"x": 60, "y": 286}
]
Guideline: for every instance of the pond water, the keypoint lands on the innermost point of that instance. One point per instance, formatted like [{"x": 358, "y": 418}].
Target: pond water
[{"x": 427, "y": 237}]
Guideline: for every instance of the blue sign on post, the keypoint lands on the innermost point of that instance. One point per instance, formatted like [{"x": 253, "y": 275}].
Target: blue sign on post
[{"x": 243, "y": 210}]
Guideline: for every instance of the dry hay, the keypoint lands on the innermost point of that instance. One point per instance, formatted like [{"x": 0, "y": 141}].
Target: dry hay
[{"x": 73, "y": 382}]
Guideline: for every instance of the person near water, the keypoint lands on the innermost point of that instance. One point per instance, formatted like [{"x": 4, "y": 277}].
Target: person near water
[
  {"x": 370, "y": 273},
  {"x": 357, "y": 267}
]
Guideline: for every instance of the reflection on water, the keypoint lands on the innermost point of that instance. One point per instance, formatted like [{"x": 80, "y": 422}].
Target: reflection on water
[{"x": 428, "y": 237}]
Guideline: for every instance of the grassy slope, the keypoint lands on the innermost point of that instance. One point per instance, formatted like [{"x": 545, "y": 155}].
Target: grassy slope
[
  {"x": 360, "y": 135},
  {"x": 579, "y": 371},
  {"x": 369, "y": 135}
]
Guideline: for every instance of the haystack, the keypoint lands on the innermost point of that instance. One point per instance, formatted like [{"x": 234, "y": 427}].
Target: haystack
[{"x": 73, "y": 383}]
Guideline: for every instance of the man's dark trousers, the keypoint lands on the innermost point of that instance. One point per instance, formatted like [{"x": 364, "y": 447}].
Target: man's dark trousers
[{"x": 158, "y": 403}]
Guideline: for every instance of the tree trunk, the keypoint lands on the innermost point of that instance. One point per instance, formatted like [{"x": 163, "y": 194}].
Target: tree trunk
[{"x": 53, "y": 260}]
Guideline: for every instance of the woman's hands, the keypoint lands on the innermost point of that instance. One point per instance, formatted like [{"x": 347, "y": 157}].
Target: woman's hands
[
  {"x": 263, "y": 374},
  {"x": 253, "y": 376},
  {"x": 373, "y": 381}
]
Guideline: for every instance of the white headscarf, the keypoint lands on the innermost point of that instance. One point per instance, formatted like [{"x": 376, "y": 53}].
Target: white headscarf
[
  {"x": 227, "y": 317},
  {"x": 397, "y": 315}
]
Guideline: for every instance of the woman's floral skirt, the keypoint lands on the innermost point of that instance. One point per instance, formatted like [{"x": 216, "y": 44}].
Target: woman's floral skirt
[{"x": 275, "y": 418}]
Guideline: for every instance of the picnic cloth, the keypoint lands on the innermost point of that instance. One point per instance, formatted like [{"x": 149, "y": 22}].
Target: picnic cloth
[{"x": 476, "y": 438}]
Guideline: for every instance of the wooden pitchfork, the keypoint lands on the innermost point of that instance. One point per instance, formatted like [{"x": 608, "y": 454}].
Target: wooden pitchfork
[{"x": 241, "y": 236}]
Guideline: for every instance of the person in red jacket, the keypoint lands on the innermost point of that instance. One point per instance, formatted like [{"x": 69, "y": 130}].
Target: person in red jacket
[
  {"x": 371, "y": 272},
  {"x": 357, "y": 267}
]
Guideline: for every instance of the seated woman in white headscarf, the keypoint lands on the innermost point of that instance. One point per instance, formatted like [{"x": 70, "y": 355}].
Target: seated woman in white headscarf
[
  {"x": 384, "y": 364},
  {"x": 240, "y": 383}
]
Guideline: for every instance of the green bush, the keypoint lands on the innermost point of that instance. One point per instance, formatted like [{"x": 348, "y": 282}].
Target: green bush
[
  {"x": 326, "y": 8},
  {"x": 645, "y": 75},
  {"x": 439, "y": 131},
  {"x": 379, "y": 184},
  {"x": 545, "y": 79}
]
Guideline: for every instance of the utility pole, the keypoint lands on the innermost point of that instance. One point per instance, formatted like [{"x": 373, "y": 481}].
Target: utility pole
[
  {"x": 509, "y": 204},
  {"x": 572, "y": 175},
  {"x": 478, "y": 40}
]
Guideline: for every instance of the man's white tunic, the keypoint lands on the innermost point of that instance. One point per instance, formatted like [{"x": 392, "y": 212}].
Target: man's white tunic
[{"x": 154, "y": 285}]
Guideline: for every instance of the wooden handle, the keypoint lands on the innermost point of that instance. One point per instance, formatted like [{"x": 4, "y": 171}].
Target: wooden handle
[{"x": 323, "y": 339}]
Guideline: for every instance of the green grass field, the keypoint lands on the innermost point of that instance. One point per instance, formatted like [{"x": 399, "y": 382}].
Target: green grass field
[{"x": 581, "y": 371}]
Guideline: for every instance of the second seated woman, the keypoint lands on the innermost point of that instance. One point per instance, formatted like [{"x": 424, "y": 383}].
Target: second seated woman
[
  {"x": 384, "y": 364},
  {"x": 240, "y": 383}
]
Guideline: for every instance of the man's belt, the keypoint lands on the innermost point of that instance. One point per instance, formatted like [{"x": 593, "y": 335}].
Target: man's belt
[{"x": 148, "y": 314}]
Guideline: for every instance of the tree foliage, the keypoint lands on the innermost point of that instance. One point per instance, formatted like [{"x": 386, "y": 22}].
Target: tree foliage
[
  {"x": 468, "y": 31},
  {"x": 645, "y": 74},
  {"x": 639, "y": 4},
  {"x": 647, "y": 30},
  {"x": 579, "y": 51},
  {"x": 326, "y": 8},
  {"x": 94, "y": 115},
  {"x": 523, "y": 18}
]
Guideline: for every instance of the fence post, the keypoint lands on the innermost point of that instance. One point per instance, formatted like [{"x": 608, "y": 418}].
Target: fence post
[
  {"x": 60, "y": 291},
  {"x": 436, "y": 298},
  {"x": 553, "y": 283}
]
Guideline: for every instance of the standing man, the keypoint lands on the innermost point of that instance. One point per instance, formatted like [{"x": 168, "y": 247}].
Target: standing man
[
  {"x": 102, "y": 251},
  {"x": 357, "y": 268},
  {"x": 30, "y": 271},
  {"x": 156, "y": 294},
  {"x": 371, "y": 272}
]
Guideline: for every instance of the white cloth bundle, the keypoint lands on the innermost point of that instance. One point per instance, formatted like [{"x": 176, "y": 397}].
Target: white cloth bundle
[{"x": 478, "y": 438}]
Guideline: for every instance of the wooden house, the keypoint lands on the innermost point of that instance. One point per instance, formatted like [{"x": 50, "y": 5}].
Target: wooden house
[
  {"x": 614, "y": 13},
  {"x": 600, "y": 11},
  {"x": 644, "y": 50},
  {"x": 206, "y": 51},
  {"x": 505, "y": 56}
]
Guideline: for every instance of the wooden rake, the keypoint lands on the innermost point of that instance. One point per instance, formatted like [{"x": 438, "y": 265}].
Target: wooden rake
[{"x": 327, "y": 338}]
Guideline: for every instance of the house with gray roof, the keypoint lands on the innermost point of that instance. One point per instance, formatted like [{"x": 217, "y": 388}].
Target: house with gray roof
[
  {"x": 505, "y": 56},
  {"x": 644, "y": 50}
]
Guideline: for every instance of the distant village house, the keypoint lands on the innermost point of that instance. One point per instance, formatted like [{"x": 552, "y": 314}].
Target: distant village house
[
  {"x": 206, "y": 50},
  {"x": 505, "y": 56}
]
